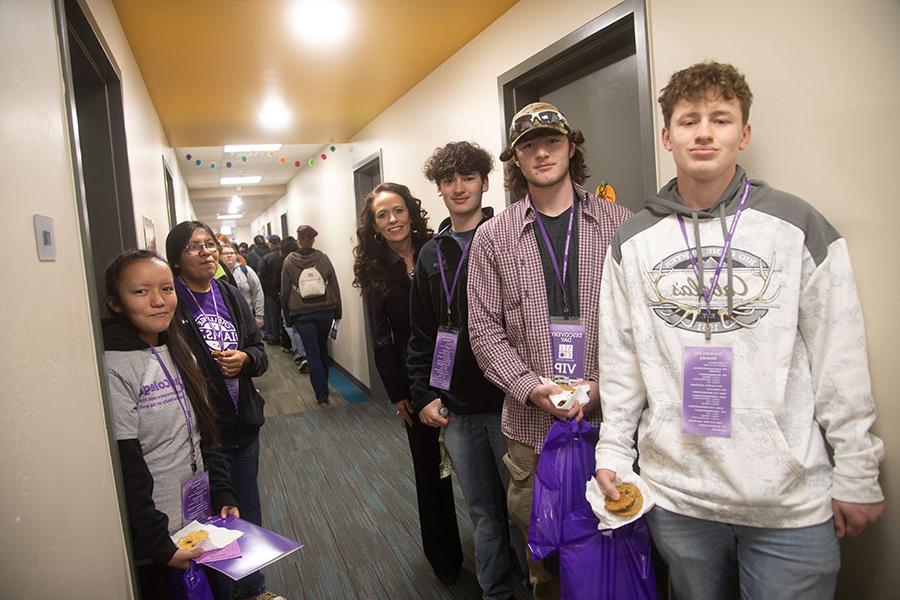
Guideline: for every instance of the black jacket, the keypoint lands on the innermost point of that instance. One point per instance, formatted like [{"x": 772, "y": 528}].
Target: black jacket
[
  {"x": 270, "y": 273},
  {"x": 239, "y": 425},
  {"x": 389, "y": 322},
  {"x": 150, "y": 527},
  {"x": 254, "y": 259},
  {"x": 470, "y": 392}
]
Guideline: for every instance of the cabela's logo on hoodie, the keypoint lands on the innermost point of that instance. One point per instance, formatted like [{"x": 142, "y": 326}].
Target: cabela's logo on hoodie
[{"x": 673, "y": 293}]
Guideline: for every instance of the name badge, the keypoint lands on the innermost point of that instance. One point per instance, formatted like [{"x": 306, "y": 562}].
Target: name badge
[
  {"x": 443, "y": 359},
  {"x": 567, "y": 344},
  {"x": 706, "y": 406},
  {"x": 195, "y": 500}
]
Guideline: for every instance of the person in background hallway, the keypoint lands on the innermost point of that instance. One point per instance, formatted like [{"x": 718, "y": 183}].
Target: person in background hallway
[
  {"x": 223, "y": 335},
  {"x": 439, "y": 307},
  {"x": 311, "y": 302},
  {"x": 270, "y": 277},
  {"x": 222, "y": 270},
  {"x": 161, "y": 416},
  {"x": 255, "y": 253},
  {"x": 246, "y": 280},
  {"x": 392, "y": 229},
  {"x": 534, "y": 270},
  {"x": 295, "y": 344},
  {"x": 758, "y": 372}
]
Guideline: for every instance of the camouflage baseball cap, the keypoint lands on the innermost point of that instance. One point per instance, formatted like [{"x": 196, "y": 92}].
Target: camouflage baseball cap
[{"x": 537, "y": 115}]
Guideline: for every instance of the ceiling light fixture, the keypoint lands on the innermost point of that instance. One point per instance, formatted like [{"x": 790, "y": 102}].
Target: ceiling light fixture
[
  {"x": 236, "y": 201},
  {"x": 321, "y": 21},
  {"x": 236, "y": 148},
  {"x": 274, "y": 114},
  {"x": 248, "y": 180},
  {"x": 229, "y": 217}
]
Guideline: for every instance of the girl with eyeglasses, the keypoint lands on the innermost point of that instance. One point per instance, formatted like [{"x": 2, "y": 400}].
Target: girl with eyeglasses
[
  {"x": 224, "y": 337},
  {"x": 162, "y": 419}
]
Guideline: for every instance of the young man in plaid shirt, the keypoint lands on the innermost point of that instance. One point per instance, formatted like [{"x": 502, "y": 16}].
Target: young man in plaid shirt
[{"x": 534, "y": 289}]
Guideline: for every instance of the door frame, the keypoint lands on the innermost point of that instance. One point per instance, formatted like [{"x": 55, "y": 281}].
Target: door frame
[
  {"x": 600, "y": 41},
  {"x": 71, "y": 126}
]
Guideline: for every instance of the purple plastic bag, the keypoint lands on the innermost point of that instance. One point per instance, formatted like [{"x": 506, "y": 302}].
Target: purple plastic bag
[
  {"x": 593, "y": 564},
  {"x": 191, "y": 584}
]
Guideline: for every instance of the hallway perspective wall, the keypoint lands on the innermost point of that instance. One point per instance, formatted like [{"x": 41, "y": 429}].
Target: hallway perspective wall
[
  {"x": 826, "y": 87},
  {"x": 59, "y": 508}
]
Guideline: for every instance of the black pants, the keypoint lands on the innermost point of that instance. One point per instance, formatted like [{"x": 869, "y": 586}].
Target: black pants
[{"x": 437, "y": 512}]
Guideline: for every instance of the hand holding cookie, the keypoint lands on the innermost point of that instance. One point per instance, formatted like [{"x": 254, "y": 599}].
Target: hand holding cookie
[{"x": 629, "y": 501}]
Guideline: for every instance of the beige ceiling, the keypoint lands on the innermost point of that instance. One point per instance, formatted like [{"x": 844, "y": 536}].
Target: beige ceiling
[{"x": 210, "y": 64}]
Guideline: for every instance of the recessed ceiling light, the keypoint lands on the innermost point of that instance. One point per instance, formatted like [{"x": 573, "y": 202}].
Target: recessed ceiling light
[
  {"x": 235, "y": 148},
  {"x": 321, "y": 21},
  {"x": 274, "y": 114},
  {"x": 236, "y": 201},
  {"x": 240, "y": 180},
  {"x": 228, "y": 217}
]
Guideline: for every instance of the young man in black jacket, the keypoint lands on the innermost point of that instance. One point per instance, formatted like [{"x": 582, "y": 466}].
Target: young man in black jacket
[{"x": 447, "y": 387}]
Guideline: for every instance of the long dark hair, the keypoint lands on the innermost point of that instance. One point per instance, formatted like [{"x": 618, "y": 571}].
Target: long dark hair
[
  {"x": 515, "y": 181},
  {"x": 179, "y": 350},
  {"x": 178, "y": 238},
  {"x": 369, "y": 265}
]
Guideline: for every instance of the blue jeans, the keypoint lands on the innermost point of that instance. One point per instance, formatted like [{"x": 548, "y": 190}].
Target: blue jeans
[
  {"x": 243, "y": 466},
  {"x": 476, "y": 446},
  {"x": 296, "y": 342},
  {"x": 313, "y": 329},
  {"x": 717, "y": 561}
]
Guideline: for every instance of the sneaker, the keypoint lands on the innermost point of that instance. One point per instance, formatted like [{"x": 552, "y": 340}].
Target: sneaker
[
  {"x": 297, "y": 359},
  {"x": 322, "y": 401},
  {"x": 304, "y": 366}
]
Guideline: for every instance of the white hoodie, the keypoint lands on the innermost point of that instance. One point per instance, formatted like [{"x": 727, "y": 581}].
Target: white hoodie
[{"x": 799, "y": 362}]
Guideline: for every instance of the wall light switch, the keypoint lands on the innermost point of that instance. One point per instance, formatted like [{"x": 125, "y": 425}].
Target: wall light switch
[{"x": 45, "y": 237}]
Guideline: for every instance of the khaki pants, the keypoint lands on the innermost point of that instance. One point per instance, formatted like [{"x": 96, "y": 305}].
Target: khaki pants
[{"x": 522, "y": 463}]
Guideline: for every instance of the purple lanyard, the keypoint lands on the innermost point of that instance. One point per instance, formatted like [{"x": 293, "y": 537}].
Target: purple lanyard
[
  {"x": 218, "y": 329},
  {"x": 185, "y": 407},
  {"x": 448, "y": 292},
  {"x": 707, "y": 293},
  {"x": 560, "y": 277}
]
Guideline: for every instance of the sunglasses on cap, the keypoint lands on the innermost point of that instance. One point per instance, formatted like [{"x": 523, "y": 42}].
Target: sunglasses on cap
[{"x": 541, "y": 118}]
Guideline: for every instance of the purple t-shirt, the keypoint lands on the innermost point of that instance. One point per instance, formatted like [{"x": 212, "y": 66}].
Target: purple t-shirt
[{"x": 215, "y": 324}]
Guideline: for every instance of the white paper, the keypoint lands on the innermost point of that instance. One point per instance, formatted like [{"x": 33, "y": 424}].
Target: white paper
[
  {"x": 609, "y": 520},
  {"x": 219, "y": 537},
  {"x": 566, "y": 399},
  {"x": 333, "y": 332}
]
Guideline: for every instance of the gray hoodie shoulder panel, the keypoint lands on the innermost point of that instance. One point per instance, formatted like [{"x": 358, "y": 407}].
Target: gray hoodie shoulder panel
[
  {"x": 639, "y": 222},
  {"x": 818, "y": 232}
]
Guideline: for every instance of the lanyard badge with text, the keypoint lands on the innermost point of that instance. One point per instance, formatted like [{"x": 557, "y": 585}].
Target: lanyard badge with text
[
  {"x": 447, "y": 337},
  {"x": 195, "y": 493},
  {"x": 708, "y": 371},
  {"x": 567, "y": 335}
]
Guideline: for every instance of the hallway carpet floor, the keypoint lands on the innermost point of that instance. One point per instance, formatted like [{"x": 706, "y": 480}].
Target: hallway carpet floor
[{"x": 339, "y": 479}]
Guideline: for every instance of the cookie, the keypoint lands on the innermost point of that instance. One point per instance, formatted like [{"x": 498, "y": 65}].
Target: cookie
[
  {"x": 629, "y": 503},
  {"x": 190, "y": 541}
]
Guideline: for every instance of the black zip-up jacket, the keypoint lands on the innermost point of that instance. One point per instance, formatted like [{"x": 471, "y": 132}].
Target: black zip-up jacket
[
  {"x": 150, "y": 527},
  {"x": 237, "y": 426},
  {"x": 470, "y": 393}
]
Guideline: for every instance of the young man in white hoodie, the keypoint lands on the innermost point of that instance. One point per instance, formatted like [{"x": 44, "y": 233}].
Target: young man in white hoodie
[{"x": 731, "y": 383}]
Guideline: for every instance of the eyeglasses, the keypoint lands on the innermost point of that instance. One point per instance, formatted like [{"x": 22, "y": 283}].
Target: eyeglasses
[
  {"x": 539, "y": 119},
  {"x": 195, "y": 247}
]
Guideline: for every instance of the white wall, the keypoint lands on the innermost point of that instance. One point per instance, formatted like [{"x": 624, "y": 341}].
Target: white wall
[
  {"x": 825, "y": 81},
  {"x": 58, "y": 509}
]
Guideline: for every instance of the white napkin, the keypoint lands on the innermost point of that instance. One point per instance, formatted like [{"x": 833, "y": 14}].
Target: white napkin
[
  {"x": 219, "y": 537},
  {"x": 609, "y": 520},
  {"x": 565, "y": 399}
]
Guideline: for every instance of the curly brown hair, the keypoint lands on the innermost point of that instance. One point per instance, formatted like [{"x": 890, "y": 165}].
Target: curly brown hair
[
  {"x": 706, "y": 79},
  {"x": 515, "y": 181},
  {"x": 458, "y": 157},
  {"x": 371, "y": 256}
]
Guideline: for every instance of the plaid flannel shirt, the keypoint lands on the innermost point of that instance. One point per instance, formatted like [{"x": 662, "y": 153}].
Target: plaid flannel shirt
[{"x": 509, "y": 321}]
